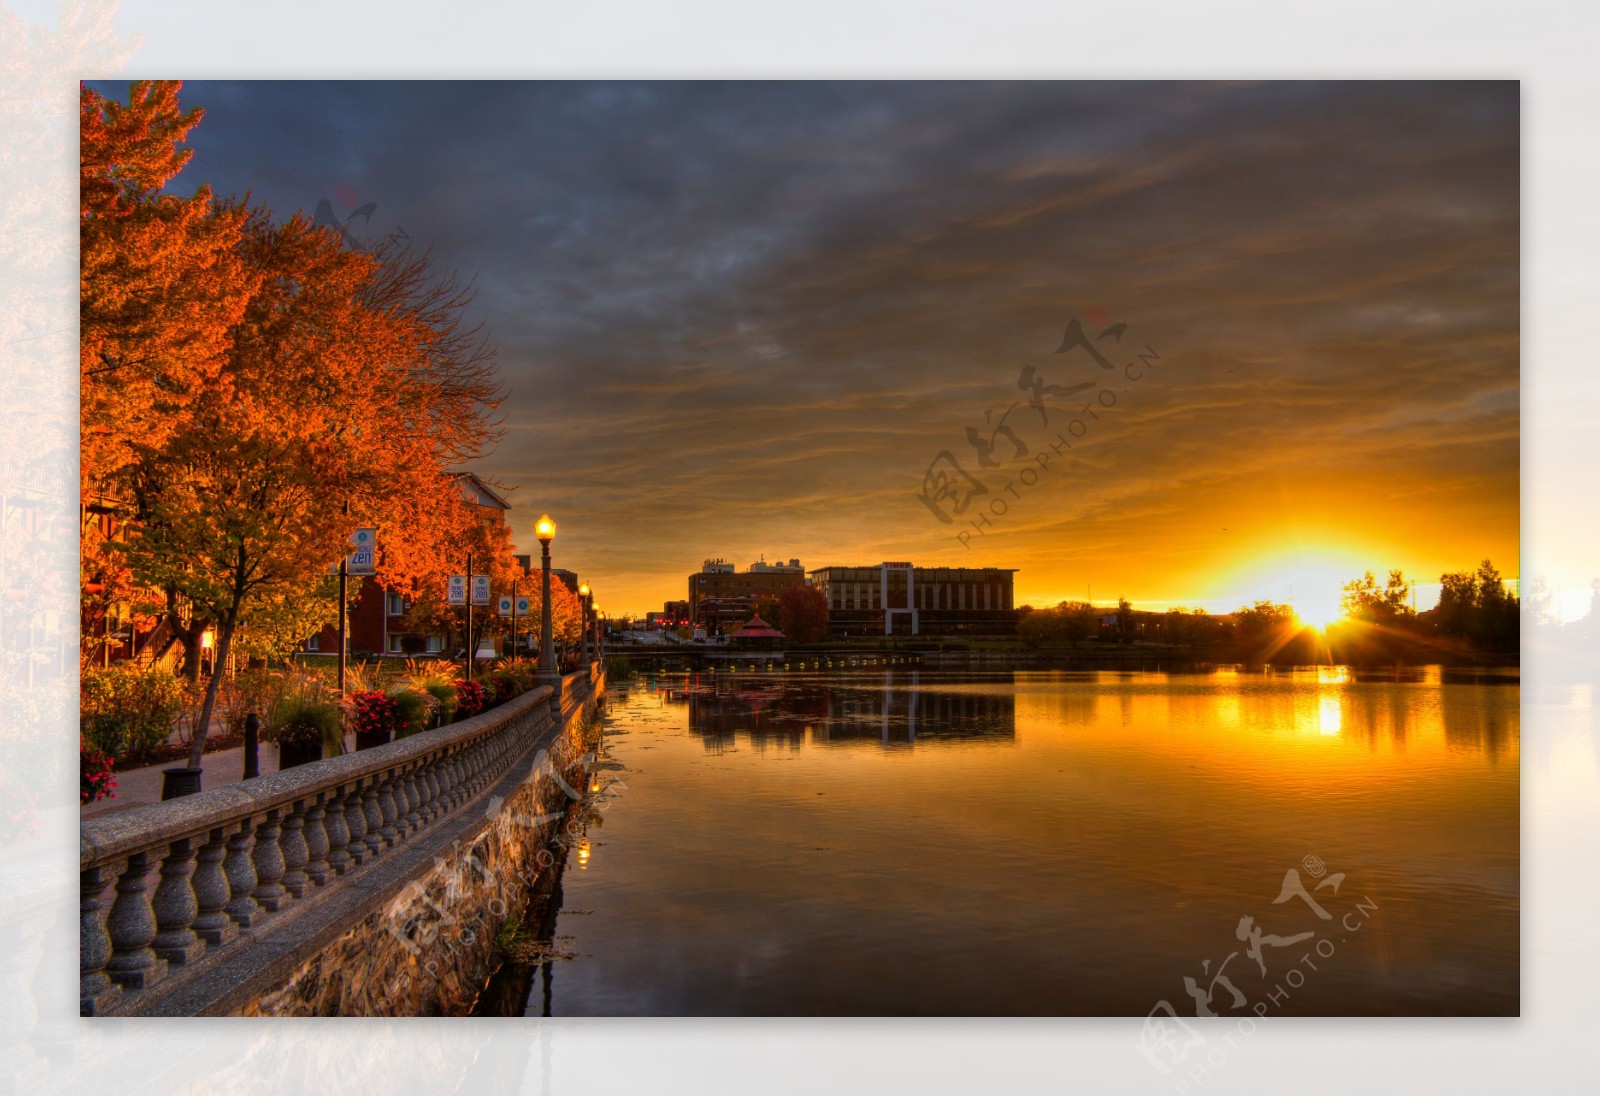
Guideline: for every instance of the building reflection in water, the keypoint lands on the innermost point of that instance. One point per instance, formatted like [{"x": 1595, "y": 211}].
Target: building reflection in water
[{"x": 892, "y": 709}]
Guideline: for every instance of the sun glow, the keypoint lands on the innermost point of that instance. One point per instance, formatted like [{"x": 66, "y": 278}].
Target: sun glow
[{"x": 1312, "y": 583}]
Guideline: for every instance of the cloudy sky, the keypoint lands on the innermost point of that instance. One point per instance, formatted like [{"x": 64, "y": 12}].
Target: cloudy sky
[{"x": 750, "y": 318}]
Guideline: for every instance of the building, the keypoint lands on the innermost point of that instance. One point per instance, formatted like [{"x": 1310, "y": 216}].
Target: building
[
  {"x": 721, "y": 599},
  {"x": 673, "y": 615},
  {"x": 898, "y": 599},
  {"x": 378, "y": 620}
]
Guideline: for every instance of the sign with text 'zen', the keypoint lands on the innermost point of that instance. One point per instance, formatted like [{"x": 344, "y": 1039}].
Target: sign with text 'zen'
[
  {"x": 364, "y": 560},
  {"x": 457, "y": 590},
  {"x": 480, "y": 590}
]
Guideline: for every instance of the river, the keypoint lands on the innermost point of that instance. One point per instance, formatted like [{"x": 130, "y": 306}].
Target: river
[{"x": 1309, "y": 842}]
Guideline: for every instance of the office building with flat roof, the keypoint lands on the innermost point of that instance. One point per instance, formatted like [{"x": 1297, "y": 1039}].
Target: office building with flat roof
[{"x": 899, "y": 599}]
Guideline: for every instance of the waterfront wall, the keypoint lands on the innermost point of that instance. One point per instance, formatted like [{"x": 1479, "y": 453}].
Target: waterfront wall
[
  {"x": 367, "y": 883},
  {"x": 431, "y": 949}
]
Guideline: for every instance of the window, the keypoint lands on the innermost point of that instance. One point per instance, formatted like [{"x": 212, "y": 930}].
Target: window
[
  {"x": 397, "y": 605},
  {"x": 314, "y": 644},
  {"x": 394, "y": 642}
]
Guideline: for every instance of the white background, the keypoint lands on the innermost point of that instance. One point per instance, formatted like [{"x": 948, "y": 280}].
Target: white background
[{"x": 1548, "y": 46}]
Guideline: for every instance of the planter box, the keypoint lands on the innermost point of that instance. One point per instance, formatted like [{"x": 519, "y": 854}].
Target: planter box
[
  {"x": 366, "y": 740},
  {"x": 298, "y": 754}
]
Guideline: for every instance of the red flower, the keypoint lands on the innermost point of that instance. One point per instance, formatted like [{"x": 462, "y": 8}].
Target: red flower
[
  {"x": 471, "y": 698},
  {"x": 95, "y": 778}
]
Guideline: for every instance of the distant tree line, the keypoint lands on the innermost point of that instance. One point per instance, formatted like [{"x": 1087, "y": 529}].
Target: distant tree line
[{"x": 1476, "y": 616}]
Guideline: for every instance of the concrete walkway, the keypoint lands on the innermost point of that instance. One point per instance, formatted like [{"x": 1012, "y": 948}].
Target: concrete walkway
[{"x": 136, "y": 787}]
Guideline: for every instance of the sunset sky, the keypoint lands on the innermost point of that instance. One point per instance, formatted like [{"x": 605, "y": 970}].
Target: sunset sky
[{"x": 744, "y": 318}]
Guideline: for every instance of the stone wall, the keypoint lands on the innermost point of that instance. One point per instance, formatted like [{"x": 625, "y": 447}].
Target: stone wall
[{"x": 431, "y": 949}]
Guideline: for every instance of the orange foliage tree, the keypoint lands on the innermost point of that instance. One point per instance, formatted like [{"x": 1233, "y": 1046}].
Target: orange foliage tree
[
  {"x": 347, "y": 386},
  {"x": 161, "y": 278}
]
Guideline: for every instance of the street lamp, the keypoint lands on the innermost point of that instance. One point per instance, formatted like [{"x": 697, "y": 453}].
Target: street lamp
[
  {"x": 545, "y": 530},
  {"x": 583, "y": 632}
]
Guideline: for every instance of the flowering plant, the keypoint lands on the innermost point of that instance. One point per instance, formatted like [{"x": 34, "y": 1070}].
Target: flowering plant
[
  {"x": 94, "y": 768},
  {"x": 373, "y": 712},
  {"x": 471, "y": 698},
  {"x": 504, "y": 687}
]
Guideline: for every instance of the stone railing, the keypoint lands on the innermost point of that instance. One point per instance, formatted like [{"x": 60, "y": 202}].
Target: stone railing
[{"x": 167, "y": 886}]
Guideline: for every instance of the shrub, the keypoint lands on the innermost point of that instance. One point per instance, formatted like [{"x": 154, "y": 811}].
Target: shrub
[
  {"x": 500, "y": 687},
  {"x": 127, "y": 710},
  {"x": 520, "y": 670},
  {"x": 471, "y": 698},
  {"x": 374, "y": 713},
  {"x": 305, "y": 718},
  {"x": 413, "y": 710},
  {"x": 254, "y": 690},
  {"x": 94, "y": 773},
  {"x": 445, "y": 700}
]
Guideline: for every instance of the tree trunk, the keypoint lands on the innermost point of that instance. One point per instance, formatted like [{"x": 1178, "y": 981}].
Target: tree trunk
[
  {"x": 203, "y": 725},
  {"x": 189, "y": 636}
]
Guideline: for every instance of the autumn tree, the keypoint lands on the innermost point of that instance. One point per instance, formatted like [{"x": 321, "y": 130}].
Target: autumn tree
[
  {"x": 804, "y": 613},
  {"x": 296, "y": 389},
  {"x": 161, "y": 278},
  {"x": 240, "y": 514}
]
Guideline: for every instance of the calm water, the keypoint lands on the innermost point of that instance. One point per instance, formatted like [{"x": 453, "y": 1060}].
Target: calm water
[{"x": 1044, "y": 843}]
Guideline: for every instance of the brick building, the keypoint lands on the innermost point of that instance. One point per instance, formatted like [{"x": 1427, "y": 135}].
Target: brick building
[
  {"x": 721, "y": 599},
  {"x": 897, "y": 599}
]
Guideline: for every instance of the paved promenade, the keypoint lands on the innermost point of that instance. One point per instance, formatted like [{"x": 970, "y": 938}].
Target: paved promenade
[{"x": 143, "y": 786}]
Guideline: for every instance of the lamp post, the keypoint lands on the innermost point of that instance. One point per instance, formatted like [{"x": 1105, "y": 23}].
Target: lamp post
[
  {"x": 583, "y": 631},
  {"x": 548, "y": 673}
]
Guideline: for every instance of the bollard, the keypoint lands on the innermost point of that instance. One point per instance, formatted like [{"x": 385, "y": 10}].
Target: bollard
[{"x": 252, "y": 746}]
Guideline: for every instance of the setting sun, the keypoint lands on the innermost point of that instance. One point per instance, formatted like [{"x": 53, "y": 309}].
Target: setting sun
[{"x": 1311, "y": 583}]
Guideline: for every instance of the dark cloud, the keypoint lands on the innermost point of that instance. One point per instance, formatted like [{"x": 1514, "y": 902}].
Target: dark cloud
[{"x": 742, "y": 318}]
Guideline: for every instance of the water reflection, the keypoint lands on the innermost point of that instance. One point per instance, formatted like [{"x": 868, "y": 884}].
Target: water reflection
[
  {"x": 1041, "y": 842},
  {"x": 892, "y": 709}
]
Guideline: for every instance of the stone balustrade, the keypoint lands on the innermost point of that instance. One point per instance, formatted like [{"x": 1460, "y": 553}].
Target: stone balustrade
[{"x": 167, "y": 886}]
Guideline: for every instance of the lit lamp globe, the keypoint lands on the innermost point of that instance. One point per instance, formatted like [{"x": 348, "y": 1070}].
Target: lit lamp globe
[{"x": 545, "y": 530}]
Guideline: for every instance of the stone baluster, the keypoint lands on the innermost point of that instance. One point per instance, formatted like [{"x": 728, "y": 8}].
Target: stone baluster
[
  {"x": 176, "y": 908},
  {"x": 96, "y": 991},
  {"x": 386, "y": 806},
  {"x": 269, "y": 890},
  {"x": 405, "y": 802},
  {"x": 340, "y": 838},
  {"x": 211, "y": 923},
  {"x": 295, "y": 854},
  {"x": 355, "y": 817},
  {"x": 413, "y": 812},
  {"x": 452, "y": 776},
  {"x": 433, "y": 774},
  {"x": 132, "y": 926},
  {"x": 317, "y": 868},
  {"x": 460, "y": 775},
  {"x": 374, "y": 815},
  {"x": 241, "y": 873}
]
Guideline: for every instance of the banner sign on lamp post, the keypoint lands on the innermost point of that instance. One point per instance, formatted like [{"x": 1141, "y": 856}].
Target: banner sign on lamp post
[
  {"x": 364, "y": 560},
  {"x": 457, "y": 590},
  {"x": 480, "y": 590}
]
